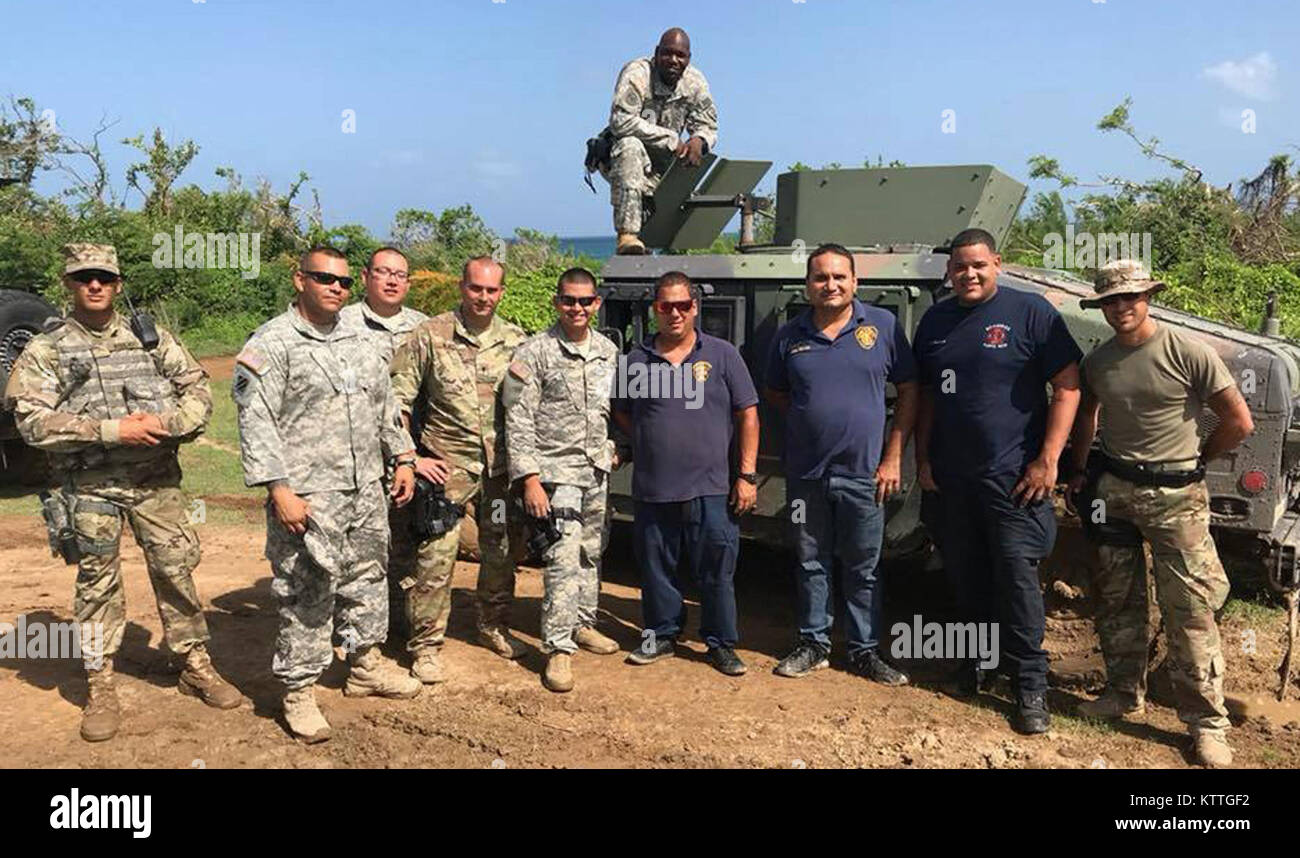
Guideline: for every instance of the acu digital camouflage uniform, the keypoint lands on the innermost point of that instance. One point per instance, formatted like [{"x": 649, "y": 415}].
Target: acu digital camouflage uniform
[
  {"x": 386, "y": 334},
  {"x": 69, "y": 390},
  {"x": 451, "y": 378},
  {"x": 646, "y": 121},
  {"x": 557, "y": 426},
  {"x": 316, "y": 411}
]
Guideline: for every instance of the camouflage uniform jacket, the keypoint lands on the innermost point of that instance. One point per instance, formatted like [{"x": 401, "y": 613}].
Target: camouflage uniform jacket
[
  {"x": 648, "y": 109},
  {"x": 315, "y": 409},
  {"x": 71, "y": 387},
  {"x": 385, "y": 333},
  {"x": 454, "y": 378},
  {"x": 557, "y": 408}
]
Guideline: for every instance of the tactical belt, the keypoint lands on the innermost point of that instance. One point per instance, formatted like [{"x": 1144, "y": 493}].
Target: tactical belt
[
  {"x": 570, "y": 514},
  {"x": 1154, "y": 474}
]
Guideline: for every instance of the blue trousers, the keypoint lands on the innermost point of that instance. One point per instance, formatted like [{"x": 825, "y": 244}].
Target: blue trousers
[
  {"x": 836, "y": 521},
  {"x": 703, "y": 533},
  {"x": 991, "y": 549}
]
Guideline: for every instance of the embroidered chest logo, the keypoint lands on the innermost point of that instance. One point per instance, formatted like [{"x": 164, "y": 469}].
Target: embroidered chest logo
[
  {"x": 866, "y": 336},
  {"x": 701, "y": 369},
  {"x": 997, "y": 336}
]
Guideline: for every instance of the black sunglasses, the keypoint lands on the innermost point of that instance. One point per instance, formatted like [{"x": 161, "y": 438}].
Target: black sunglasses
[
  {"x": 324, "y": 278},
  {"x": 106, "y": 278},
  {"x": 584, "y": 300}
]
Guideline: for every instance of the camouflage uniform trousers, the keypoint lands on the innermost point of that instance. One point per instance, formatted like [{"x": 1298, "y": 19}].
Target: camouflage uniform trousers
[
  {"x": 572, "y": 575},
  {"x": 329, "y": 581},
  {"x": 633, "y": 172},
  {"x": 424, "y": 572},
  {"x": 158, "y": 518},
  {"x": 1190, "y": 585}
]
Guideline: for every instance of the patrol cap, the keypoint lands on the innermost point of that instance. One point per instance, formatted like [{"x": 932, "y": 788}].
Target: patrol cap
[
  {"x": 1121, "y": 277},
  {"x": 82, "y": 256}
]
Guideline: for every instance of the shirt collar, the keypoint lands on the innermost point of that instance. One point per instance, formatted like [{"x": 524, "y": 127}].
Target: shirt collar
[
  {"x": 490, "y": 335},
  {"x": 392, "y": 323},
  {"x": 859, "y": 317},
  {"x": 648, "y": 344},
  {"x": 307, "y": 329},
  {"x": 569, "y": 348}
]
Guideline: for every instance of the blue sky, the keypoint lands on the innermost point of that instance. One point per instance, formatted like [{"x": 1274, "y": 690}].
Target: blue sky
[{"x": 489, "y": 103}]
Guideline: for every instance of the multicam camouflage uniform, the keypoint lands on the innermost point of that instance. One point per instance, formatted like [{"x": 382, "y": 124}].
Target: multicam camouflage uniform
[
  {"x": 69, "y": 390},
  {"x": 1191, "y": 586},
  {"x": 454, "y": 376},
  {"x": 557, "y": 419},
  {"x": 316, "y": 411},
  {"x": 646, "y": 121},
  {"x": 386, "y": 334}
]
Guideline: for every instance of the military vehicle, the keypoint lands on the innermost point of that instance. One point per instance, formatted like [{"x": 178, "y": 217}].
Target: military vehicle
[
  {"x": 23, "y": 314},
  {"x": 897, "y": 222}
]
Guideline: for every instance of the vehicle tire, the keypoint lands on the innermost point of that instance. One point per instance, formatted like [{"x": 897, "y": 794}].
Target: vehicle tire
[{"x": 22, "y": 316}]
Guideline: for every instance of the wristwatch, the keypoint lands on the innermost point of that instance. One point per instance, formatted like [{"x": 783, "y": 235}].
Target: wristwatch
[{"x": 750, "y": 477}]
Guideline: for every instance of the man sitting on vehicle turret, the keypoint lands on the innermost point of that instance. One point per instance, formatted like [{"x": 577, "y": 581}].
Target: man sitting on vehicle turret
[{"x": 655, "y": 100}]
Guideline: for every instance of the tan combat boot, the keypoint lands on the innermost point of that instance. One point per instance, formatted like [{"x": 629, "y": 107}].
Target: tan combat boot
[
  {"x": 500, "y": 641},
  {"x": 1111, "y": 705},
  {"x": 629, "y": 245},
  {"x": 558, "y": 675},
  {"x": 1212, "y": 749},
  {"x": 427, "y": 665},
  {"x": 593, "y": 641},
  {"x": 199, "y": 679},
  {"x": 103, "y": 714},
  {"x": 372, "y": 674},
  {"x": 303, "y": 716}
]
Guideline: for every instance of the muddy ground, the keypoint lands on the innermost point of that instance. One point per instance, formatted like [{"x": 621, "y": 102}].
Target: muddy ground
[{"x": 491, "y": 712}]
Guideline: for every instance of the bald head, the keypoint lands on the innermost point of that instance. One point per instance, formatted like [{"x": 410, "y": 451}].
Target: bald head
[
  {"x": 673, "y": 55},
  {"x": 675, "y": 37}
]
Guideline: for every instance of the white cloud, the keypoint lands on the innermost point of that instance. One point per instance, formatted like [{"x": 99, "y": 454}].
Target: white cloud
[
  {"x": 1254, "y": 77},
  {"x": 496, "y": 168}
]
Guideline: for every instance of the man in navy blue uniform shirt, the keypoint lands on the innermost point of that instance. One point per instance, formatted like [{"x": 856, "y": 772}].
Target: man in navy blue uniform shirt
[
  {"x": 827, "y": 372},
  {"x": 988, "y": 441},
  {"x": 683, "y": 396}
]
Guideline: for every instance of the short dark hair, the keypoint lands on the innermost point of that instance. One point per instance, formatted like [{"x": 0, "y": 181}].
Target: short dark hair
[
  {"x": 676, "y": 278},
  {"x": 387, "y": 248},
  {"x": 836, "y": 249},
  {"x": 973, "y": 236},
  {"x": 321, "y": 249},
  {"x": 464, "y": 271},
  {"x": 576, "y": 274}
]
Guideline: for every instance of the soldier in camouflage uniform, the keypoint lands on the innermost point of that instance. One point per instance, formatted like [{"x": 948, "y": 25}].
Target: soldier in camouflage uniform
[
  {"x": 450, "y": 370},
  {"x": 1147, "y": 384},
  {"x": 112, "y": 414},
  {"x": 655, "y": 100},
  {"x": 557, "y": 396},
  {"x": 386, "y": 322},
  {"x": 317, "y": 422}
]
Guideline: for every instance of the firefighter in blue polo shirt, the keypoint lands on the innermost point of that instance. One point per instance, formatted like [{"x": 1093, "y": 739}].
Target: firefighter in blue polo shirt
[
  {"x": 988, "y": 441},
  {"x": 685, "y": 397},
  {"x": 827, "y": 372}
]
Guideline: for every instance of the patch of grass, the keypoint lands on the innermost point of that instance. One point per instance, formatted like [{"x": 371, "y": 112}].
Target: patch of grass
[
  {"x": 21, "y": 504},
  {"x": 212, "y": 471},
  {"x": 223, "y": 427},
  {"x": 1252, "y": 612},
  {"x": 220, "y": 335},
  {"x": 1083, "y": 726}
]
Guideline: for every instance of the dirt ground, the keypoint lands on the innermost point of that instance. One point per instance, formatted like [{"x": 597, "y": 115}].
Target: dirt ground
[{"x": 491, "y": 712}]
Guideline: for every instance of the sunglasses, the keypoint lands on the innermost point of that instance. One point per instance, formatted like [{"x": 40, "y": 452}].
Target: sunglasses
[
  {"x": 324, "y": 278},
  {"x": 667, "y": 307},
  {"x": 104, "y": 277},
  {"x": 583, "y": 300}
]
